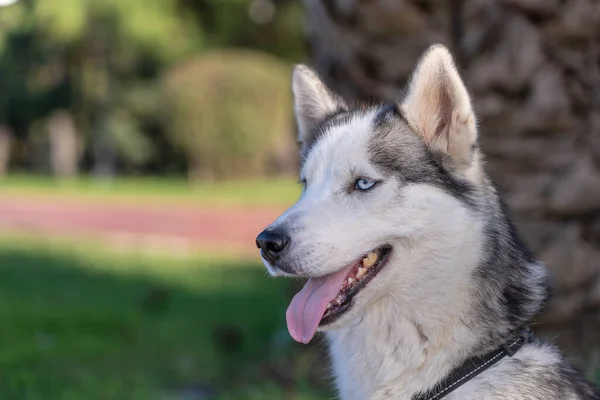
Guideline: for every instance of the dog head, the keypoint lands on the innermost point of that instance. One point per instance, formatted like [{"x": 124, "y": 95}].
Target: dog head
[{"x": 386, "y": 187}]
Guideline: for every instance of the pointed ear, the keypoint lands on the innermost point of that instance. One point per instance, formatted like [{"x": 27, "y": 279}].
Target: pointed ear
[
  {"x": 313, "y": 102},
  {"x": 439, "y": 109}
]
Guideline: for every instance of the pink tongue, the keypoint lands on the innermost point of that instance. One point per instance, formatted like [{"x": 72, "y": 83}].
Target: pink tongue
[{"x": 308, "y": 306}]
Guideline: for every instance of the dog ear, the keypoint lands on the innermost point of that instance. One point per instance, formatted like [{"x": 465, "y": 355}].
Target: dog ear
[
  {"x": 313, "y": 102},
  {"x": 439, "y": 109}
]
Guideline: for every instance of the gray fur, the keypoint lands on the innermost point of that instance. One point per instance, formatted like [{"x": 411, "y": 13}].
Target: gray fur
[{"x": 399, "y": 152}]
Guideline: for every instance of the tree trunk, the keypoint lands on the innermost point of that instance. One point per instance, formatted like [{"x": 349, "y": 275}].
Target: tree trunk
[
  {"x": 6, "y": 135},
  {"x": 533, "y": 68},
  {"x": 64, "y": 145}
]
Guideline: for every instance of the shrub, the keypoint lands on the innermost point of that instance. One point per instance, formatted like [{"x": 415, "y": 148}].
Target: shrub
[{"x": 230, "y": 112}]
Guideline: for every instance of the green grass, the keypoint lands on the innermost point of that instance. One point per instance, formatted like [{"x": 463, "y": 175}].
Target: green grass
[
  {"x": 281, "y": 191},
  {"x": 78, "y": 322},
  {"x": 82, "y": 323}
]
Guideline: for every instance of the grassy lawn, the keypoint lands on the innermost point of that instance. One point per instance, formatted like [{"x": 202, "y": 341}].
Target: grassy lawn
[
  {"x": 79, "y": 322},
  {"x": 281, "y": 191}
]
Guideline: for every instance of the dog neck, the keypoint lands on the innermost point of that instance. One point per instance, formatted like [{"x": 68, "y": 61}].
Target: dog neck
[{"x": 464, "y": 304}]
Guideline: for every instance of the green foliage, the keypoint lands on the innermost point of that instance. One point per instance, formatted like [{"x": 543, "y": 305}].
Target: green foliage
[
  {"x": 230, "y": 111},
  {"x": 79, "y": 323},
  {"x": 11, "y": 19},
  {"x": 147, "y": 25},
  {"x": 228, "y": 23},
  {"x": 129, "y": 140},
  {"x": 101, "y": 61}
]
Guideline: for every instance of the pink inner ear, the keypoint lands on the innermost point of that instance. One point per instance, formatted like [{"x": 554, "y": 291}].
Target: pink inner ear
[
  {"x": 438, "y": 107},
  {"x": 444, "y": 111}
]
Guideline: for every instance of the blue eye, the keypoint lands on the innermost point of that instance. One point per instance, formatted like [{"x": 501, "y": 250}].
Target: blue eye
[{"x": 364, "y": 184}]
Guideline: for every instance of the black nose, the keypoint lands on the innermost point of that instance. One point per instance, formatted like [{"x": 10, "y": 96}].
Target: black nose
[{"x": 271, "y": 244}]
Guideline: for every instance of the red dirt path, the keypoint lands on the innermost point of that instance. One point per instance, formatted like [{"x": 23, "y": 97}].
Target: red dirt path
[{"x": 174, "y": 227}]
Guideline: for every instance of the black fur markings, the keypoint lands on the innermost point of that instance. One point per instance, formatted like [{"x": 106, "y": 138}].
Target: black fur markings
[
  {"x": 338, "y": 118},
  {"x": 458, "y": 187},
  {"x": 408, "y": 157},
  {"x": 384, "y": 113},
  {"x": 507, "y": 267},
  {"x": 514, "y": 300},
  {"x": 514, "y": 236}
]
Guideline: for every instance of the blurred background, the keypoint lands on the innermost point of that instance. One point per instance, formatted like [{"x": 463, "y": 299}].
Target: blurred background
[{"x": 145, "y": 143}]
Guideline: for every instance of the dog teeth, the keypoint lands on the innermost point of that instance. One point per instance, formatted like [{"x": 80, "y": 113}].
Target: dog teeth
[
  {"x": 361, "y": 272},
  {"x": 369, "y": 260},
  {"x": 340, "y": 298},
  {"x": 367, "y": 263}
]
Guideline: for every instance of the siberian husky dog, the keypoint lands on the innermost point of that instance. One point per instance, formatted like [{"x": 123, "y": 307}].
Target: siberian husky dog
[{"x": 415, "y": 273}]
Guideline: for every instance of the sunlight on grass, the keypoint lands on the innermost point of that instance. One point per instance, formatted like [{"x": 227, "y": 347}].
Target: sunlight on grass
[
  {"x": 80, "y": 322},
  {"x": 281, "y": 191}
]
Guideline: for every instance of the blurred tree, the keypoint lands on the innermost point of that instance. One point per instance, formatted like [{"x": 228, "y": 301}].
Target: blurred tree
[
  {"x": 273, "y": 26},
  {"x": 5, "y": 144},
  {"x": 99, "y": 61},
  {"x": 230, "y": 113},
  {"x": 534, "y": 70},
  {"x": 85, "y": 56},
  {"x": 112, "y": 47},
  {"x": 17, "y": 107}
]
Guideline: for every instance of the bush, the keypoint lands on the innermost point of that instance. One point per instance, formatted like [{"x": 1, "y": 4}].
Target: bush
[{"x": 230, "y": 112}]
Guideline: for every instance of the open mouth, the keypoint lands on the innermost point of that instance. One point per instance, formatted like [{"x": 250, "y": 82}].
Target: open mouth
[
  {"x": 358, "y": 277},
  {"x": 324, "y": 299}
]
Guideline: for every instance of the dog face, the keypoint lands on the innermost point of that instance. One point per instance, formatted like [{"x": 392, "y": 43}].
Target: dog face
[{"x": 385, "y": 188}]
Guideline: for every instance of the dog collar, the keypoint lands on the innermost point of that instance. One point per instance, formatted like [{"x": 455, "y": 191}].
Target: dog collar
[{"x": 475, "y": 366}]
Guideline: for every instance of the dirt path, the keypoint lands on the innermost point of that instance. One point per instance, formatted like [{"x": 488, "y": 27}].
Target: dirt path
[{"x": 172, "y": 227}]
